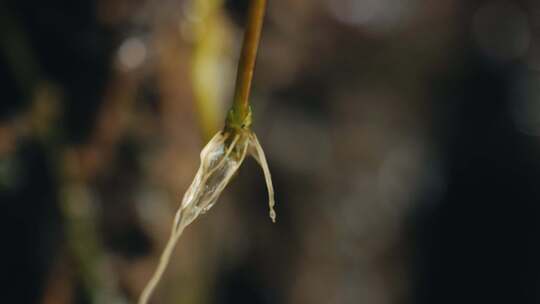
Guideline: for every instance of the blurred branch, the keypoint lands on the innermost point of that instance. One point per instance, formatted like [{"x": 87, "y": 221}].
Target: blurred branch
[
  {"x": 18, "y": 52},
  {"x": 207, "y": 68}
]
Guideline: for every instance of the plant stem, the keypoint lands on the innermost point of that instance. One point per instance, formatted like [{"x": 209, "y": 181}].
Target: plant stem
[{"x": 240, "y": 108}]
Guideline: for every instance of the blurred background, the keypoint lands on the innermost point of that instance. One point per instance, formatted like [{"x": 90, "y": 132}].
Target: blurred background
[{"x": 402, "y": 136}]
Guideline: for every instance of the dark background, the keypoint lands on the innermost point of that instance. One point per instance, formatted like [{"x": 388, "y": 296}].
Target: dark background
[{"x": 402, "y": 136}]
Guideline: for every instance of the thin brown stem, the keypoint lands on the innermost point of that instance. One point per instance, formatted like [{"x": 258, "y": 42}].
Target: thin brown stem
[{"x": 248, "y": 57}]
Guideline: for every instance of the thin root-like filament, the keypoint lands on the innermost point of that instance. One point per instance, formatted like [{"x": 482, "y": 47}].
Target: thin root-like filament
[{"x": 163, "y": 262}]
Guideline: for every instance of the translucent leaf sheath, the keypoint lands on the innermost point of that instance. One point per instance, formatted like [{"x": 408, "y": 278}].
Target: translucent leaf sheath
[
  {"x": 218, "y": 165},
  {"x": 220, "y": 159},
  {"x": 257, "y": 152}
]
